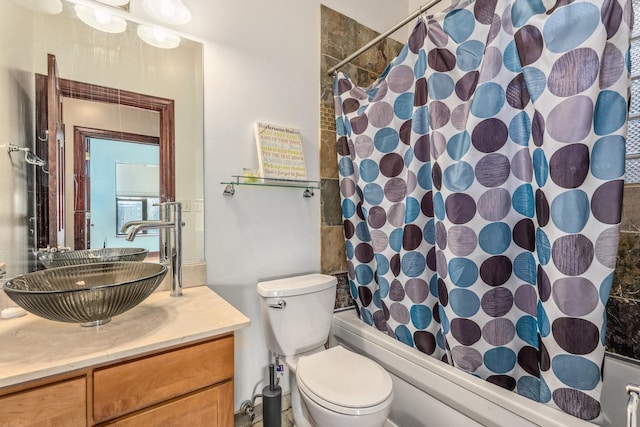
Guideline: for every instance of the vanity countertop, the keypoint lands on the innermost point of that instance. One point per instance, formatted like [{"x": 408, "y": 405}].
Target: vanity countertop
[{"x": 32, "y": 347}]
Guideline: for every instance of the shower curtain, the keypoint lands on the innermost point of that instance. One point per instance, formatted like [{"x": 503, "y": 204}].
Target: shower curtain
[{"x": 481, "y": 183}]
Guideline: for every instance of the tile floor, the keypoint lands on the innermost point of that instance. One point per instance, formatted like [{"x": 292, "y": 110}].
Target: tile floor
[{"x": 243, "y": 420}]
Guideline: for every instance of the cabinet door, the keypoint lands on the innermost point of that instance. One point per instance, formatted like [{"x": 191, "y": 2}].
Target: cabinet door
[
  {"x": 131, "y": 386},
  {"x": 212, "y": 407},
  {"x": 61, "y": 404}
]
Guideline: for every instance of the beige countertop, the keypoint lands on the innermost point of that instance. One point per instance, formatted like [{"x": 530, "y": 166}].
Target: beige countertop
[{"x": 32, "y": 347}]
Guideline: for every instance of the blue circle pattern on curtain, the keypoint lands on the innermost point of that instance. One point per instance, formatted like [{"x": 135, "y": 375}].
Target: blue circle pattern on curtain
[{"x": 488, "y": 182}]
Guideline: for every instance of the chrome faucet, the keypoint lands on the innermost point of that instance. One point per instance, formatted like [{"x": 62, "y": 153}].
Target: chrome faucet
[{"x": 170, "y": 227}]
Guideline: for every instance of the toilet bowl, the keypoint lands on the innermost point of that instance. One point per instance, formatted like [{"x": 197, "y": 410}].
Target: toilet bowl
[
  {"x": 332, "y": 387},
  {"x": 342, "y": 388}
]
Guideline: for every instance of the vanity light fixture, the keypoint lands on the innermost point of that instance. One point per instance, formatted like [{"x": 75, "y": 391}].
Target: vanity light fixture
[
  {"x": 158, "y": 37},
  {"x": 117, "y": 3},
  {"x": 172, "y": 12},
  {"x": 100, "y": 19},
  {"x": 50, "y": 7}
]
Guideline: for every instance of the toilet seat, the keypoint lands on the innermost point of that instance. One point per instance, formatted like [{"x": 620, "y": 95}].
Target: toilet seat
[{"x": 344, "y": 382}]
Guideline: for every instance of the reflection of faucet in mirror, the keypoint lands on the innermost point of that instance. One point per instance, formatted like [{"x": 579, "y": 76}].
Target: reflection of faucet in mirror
[
  {"x": 51, "y": 250},
  {"x": 170, "y": 246}
]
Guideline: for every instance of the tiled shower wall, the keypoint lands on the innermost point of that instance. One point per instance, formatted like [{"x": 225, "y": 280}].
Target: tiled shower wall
[
  {"x": 623, "y": 309},
  {"x": 340, "y": 36}
]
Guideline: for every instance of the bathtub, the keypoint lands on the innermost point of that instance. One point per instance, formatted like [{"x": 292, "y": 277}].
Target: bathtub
[{"x": 431, "y": 393}]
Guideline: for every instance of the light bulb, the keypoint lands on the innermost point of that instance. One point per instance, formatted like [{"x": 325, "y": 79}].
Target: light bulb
[
  {"x": 158, "y": 37},
  {"x": 100, "y": 19},
  {"x": 172, "y": 12}
]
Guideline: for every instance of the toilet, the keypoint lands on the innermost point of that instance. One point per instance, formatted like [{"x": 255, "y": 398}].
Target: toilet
[{"x": 332, "y": 387}]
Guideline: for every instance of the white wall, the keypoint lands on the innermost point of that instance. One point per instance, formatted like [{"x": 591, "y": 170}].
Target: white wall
[{"x": 262, "y": 62}]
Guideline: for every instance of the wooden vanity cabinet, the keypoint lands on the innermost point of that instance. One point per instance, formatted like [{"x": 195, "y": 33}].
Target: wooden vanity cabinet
[
  {"x": 191, "y": 385},
  {"x": 137, "y": 384},
  {"x": 210, "y": 407},
  {"x": 62, "y": 403}
]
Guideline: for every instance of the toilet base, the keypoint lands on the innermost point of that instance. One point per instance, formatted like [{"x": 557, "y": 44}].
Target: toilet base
[{"x": 300, "y": 413}]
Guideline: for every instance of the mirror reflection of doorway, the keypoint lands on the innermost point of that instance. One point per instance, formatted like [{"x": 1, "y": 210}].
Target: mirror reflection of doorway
[{"x": 117, "y": 181}]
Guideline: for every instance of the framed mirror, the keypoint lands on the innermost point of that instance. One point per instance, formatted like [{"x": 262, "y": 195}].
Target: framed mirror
[{"x": 113, "y": 88}]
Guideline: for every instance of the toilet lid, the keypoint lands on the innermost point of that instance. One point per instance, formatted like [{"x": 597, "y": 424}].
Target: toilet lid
[{"x": 344, "y": 378}]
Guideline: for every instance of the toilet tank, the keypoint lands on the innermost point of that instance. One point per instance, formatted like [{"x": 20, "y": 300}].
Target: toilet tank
[{"x": 297, "y": 311}]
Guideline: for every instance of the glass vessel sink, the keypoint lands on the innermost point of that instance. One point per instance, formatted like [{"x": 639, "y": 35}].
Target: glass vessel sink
[
  {"x": 88, "y": 294},
  {"x": 91, "y": 256}
]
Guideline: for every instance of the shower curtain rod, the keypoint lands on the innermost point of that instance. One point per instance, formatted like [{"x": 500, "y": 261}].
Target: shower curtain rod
[{"x": 383, "y": 36}]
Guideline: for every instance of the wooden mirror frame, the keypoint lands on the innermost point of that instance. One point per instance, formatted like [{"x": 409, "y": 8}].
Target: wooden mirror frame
[{"x": 89, "y": 92}]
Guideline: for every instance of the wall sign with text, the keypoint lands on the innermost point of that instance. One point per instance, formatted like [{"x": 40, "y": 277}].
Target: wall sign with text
[{"x": 280, "y": 152}]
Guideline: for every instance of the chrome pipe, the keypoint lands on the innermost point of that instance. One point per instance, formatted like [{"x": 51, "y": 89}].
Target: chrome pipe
[
  {"x": 146, "y": 225},
  {"x": 176, "y": 288},
  {"x": 125, "y": 227},
  {"x": 165, "y": 234},
  {"x": 632, "y": 404}
]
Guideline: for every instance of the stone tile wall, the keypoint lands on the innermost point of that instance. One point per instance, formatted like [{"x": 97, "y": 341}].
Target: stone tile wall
[
  {"x": 623, "y": 308},
  {"x": 340, "y": 36}
]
